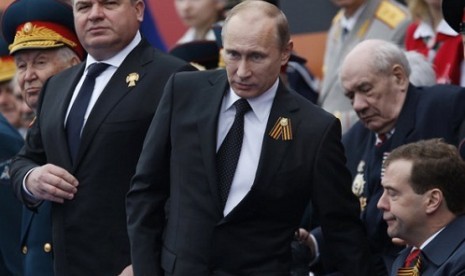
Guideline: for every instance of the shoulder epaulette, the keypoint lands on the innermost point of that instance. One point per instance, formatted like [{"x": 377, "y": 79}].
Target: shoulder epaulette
[
  {"x": 390, "y": 14},
  {"x": 338, "y": 16}
]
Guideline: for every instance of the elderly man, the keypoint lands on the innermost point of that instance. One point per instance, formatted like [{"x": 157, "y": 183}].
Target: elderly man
[
  {"x": 239, "y": 156},
  {"x": 423, "y": 203},
  {"x": 392, "y": 112},
  {"x": 42, "y": 44},
  {"x": 356, "y": 21},
  {"x": 91, "y": 121}
]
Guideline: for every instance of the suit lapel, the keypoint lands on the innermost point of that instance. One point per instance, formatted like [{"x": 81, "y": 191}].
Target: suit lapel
[
  {"x": 273, "y": 150},
  {"x": 406, "y": 122},
  {"x": 63, "y": 100},
  {"x": 113, "y": 92},
  {"x": 207, "y": 127}
]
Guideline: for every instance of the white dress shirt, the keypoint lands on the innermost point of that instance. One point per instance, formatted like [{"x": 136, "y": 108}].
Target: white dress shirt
[
  {"x": 102, "y": 80},
  {"x": 254, "y": 129}
]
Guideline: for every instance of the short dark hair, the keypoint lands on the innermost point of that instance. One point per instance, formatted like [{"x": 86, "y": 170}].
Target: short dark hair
[{"x": 435, "y": 164}]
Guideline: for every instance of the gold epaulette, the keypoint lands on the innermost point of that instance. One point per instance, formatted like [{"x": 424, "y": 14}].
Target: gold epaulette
[
  {"x": 390, "y": 14},
  {"x": 338, "y": 16}
]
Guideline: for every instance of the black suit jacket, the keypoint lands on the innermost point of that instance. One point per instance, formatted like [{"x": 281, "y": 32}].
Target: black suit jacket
[
  {"x": 89, "y": 232},
  {"x": 178, "y": 162}
]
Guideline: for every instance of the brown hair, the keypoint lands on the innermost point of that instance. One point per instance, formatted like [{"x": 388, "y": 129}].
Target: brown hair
[{"x": 435, "y": 164}]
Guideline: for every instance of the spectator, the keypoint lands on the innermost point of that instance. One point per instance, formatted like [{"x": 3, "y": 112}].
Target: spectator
[
  {"x": 423, "y": 204},
  {"x": 199, "y": 16},
  {"x": 83, "y": 147},
  {"x": 356, "y": 21},
  {"x": 38, "y": 57},
  {"x": 392, "y": 112},
  {"x": 431, "y": 36},
  {"x": 10, "y": 215}
]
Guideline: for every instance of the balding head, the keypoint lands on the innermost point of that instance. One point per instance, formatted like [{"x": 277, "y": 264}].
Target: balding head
[{"x": 375, "y": 77}]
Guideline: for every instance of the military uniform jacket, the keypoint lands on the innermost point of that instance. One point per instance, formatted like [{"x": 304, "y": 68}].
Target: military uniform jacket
[
  {"x": 380, "y": 19},
  {"x": 430, "y": 112},
  {"x": 89, "y": 232}
]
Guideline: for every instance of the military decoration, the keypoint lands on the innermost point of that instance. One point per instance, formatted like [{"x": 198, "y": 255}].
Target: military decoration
[
  {"x": 131, "y": 79},
  {"x": 358, "y": 185},
  {"x": 282, "y": 129}
]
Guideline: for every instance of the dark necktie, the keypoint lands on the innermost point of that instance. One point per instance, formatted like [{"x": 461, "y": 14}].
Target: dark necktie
[
  {"x": 76, "y": 114},
  {"x": 382, "y": 137},
  {"x": 411, "y": 265},
  {"x": 230, "y": 150}
]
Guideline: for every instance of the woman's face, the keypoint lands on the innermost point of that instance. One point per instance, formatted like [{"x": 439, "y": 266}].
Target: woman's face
[{"x": 198, "y": 13}]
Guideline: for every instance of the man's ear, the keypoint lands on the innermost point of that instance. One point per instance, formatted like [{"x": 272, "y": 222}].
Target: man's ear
[
  {"x": 400, "y": 75},
  {"x": 434, "y": 199},
  {"x": 286, "y": 53}
]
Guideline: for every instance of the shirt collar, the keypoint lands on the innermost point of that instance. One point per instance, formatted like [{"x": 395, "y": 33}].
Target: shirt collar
[
  {"x": 117, "y": 59},
  {"x": 349, "y": 23},
  {"x": 425, "y": 30},
  {"x": 260, "y": 105}
]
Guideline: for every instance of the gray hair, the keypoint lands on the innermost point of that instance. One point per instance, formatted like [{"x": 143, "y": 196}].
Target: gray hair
[
  {"x": 422, "y": 72},
  {"x": 386, "y": 55}
]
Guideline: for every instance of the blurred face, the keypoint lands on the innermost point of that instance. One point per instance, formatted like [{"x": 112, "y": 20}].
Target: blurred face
[
  {"x": 376, "y": 98},
  {"x": 252, "y": 56},
  {"x": 349, "y": 5},
  {"x": 198, "y": 13},
  {"x": 105, "y": 27},
  {"x": 403, "y": 209},
  {"x": 34, "y": 67},
  {"x": 9, "y": 104}
]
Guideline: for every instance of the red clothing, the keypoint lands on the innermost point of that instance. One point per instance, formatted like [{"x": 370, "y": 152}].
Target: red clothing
[{"x": 447, "y": 54}]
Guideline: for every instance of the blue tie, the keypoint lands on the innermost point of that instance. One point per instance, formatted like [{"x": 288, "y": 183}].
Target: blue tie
[
  {"x": 77, "y": 112},
  {"x": 230, "y": 150}
]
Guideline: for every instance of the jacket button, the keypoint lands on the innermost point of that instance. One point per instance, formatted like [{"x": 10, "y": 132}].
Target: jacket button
[
  {"x": 24, "y": 249},
  {"x": 47, "y": 247}
]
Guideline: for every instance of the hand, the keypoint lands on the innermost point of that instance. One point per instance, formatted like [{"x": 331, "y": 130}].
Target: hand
[
  {"x": 50, "y": 182},
  {"x": 127, "y": 271},
  {"x": 304, "y": 237}
]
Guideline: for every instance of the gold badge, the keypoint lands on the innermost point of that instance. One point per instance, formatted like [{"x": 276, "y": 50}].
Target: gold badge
[
  {"x": 27, "y": 28},
  {"x": 131, "y": 79},
  {"x": 282, "y": 129}
]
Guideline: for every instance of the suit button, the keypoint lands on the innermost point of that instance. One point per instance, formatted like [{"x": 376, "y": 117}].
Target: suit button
[
  {"x": 47, "y": 247},
  {"x": 24, "y": 249}
]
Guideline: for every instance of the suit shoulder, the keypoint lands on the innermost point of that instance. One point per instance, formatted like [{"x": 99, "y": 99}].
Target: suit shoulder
[{"x": 391, "y": 13}]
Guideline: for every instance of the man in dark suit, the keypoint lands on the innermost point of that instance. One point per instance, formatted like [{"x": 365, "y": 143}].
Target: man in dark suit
[
  {"x": 82, "y": 151},
  {"x": 24, "y": 25},
  {"x": 10, "y": 215},
  {"x": 423, "y": 204},
  {"x": 392, "y": 112},
  {"x": 289, "y": 153}
]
